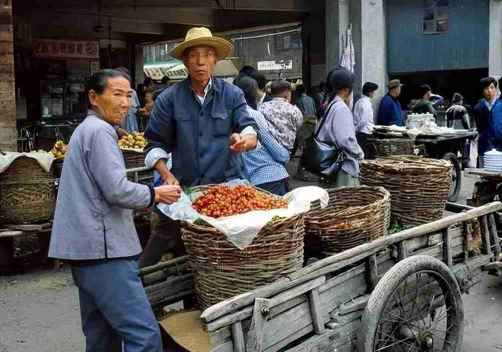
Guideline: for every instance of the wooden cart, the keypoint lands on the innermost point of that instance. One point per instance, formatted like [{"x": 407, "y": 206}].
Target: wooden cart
[
  {"x": 488, "y": 188},
  {"x": 401, "y": 292}
]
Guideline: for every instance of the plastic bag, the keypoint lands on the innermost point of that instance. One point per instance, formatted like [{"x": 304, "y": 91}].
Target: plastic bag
[{"x": 241, "y": 229}]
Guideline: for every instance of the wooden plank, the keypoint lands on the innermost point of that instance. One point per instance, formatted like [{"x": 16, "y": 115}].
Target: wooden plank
[
  {"x": 221, "y": 336},
  {"x": 279, "y": 346},
  {"x": 486, "y": 235},
  {"x": 10, "y": 234},
  {"x": 295, "y": 292},
  {"x": 372, "y": 272},
  {"x": 230, "y": 319},
  {"x": 447, "y": 250},
  {"x": 317, "y": 343},
  {"x": 494, "y": 235},
  {"x": 225, "y": 347},
  {"x": 173, "y": 262},
  {"x": 358, "y": 303},
  {"x": 402, "y": 250},
  {"x": 256, "y": 331},
  {"x": 30, "y": 228},
  {"x": 238, "y": 337},
  {"x": 315, "y": 308}
]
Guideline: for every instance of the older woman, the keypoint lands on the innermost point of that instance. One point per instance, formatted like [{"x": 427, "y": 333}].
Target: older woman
[{"x": 93, "y": 225}]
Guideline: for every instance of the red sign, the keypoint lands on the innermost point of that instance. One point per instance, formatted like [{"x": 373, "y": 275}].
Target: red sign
[{"x": 71, "y": 49}]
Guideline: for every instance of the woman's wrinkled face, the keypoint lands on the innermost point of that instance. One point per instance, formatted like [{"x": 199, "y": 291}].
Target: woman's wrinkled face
[
  {"x": 115, "y": 101},
  {"x": 490, "y": 92}
]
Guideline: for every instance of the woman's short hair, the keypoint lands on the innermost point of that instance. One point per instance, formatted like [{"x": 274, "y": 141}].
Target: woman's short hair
[
  {"x": 369, "y": 87},
  {"x": 99, "y": 80}
]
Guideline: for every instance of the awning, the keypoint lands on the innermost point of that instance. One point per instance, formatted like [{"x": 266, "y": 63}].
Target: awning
[{"x": 177, "y": 71}]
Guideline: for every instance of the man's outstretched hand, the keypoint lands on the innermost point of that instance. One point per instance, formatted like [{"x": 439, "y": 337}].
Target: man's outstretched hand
[{"x": 242, "y": 143}]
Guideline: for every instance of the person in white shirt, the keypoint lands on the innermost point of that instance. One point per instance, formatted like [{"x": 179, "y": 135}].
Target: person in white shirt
[{"x": 363, "y": 109}]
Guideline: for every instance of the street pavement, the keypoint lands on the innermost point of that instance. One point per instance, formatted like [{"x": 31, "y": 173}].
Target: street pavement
[{"x": 39, "y": 311}]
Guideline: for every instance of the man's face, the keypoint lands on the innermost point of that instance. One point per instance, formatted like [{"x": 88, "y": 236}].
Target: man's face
[
  {"x": 398, "y": 91},
  {"x": 200, "y": 62},
  {"x": 428, "y": 95},
  {"x": 490, "y": 92},
  {"x": 371, "y": 94},
  {"x": 115, "y": 101}
]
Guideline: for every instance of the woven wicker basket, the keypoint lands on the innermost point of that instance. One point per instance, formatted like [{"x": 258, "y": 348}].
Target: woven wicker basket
[
  {"x": 418, "y": 186},
  {"x": 221, "y": 270},
  {"x": 377, "y": 148},
  {"x": 354, "y": 215},
  {"x": 133, "y": 159},
  {"x": 26, "y": 193}
]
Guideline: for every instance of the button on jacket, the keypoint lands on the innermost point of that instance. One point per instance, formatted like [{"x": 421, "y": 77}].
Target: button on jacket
[
  {"x": 93, "y": 218},
  {"x": 198, "y": 134}
]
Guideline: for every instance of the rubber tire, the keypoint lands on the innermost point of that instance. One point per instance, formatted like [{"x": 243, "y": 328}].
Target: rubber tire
[
  {"x": 390, "y": 282},
  {"x": 453, "y": 197}
]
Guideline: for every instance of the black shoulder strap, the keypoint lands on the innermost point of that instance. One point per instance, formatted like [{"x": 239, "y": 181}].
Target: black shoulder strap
[{"x": 324, "y": 118}]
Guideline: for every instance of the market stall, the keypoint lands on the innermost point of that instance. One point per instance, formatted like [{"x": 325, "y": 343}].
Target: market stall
[{"x": 427, "y": 140}]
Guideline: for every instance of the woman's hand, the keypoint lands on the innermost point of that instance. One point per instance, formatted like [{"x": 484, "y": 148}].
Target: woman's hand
[{"x": 167, "y": 194}]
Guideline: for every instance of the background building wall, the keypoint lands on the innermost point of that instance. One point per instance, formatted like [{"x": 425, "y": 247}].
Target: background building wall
[
  {"x": 464, "y": 46},
  {"x": 8, "y": 132}
]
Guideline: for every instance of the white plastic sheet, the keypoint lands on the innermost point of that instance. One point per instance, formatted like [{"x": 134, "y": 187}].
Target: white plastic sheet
[{"x": 242, "y": 229}]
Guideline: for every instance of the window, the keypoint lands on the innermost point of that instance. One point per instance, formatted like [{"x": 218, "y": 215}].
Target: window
[{"x": 435, "y": 16}]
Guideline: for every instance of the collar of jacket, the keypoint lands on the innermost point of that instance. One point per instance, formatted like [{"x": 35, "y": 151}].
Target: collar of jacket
[{"x": 214, "y": 84}]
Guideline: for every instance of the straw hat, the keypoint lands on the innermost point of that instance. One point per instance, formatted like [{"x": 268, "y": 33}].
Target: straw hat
[
  {"x": 202, "y": 36},
  {"x": 395, "y": 83}
]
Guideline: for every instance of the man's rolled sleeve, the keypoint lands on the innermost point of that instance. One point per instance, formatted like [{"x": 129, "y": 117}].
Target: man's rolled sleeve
[
  {"x": 107, "y": 166},
  {"x": 156, "y": 154}
]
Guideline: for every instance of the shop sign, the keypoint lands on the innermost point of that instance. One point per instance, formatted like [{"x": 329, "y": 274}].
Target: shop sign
[
  {"x": 275, "y": 65},
  {"x": 70, "y": 49}
]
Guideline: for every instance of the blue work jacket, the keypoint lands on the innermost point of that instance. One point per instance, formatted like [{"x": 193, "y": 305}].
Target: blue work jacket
[{"x": 198, "y": 135}]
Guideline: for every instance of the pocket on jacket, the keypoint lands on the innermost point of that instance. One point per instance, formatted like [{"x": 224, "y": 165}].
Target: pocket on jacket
[{"x": 221, "y": 124}]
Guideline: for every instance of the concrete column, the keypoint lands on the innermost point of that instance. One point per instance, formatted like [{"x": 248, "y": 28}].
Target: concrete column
[
  {"x": 8, "y": 132},
  {"x": 138, "y": 63},
  {"x": 369, "y": 36},
  {"x": 337, "y": 22},
  {"x": 495, "y": 41}
]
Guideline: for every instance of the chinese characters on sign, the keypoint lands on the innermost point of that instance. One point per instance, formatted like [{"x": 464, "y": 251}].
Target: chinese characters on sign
[
  {"x": 71, "y": 49},
  {"x": 275, "y": 65}
]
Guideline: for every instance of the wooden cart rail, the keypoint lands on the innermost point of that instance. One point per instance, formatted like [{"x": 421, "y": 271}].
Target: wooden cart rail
[{"x": 321, "y": 305}]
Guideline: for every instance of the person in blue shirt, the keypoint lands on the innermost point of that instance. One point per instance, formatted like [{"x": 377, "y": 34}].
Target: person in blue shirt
[
  {"x": 264, "y": 167},
  {"x": 198, "y": 124},
  {"x": 389, "y": 111},
  {"x": 486, "y": 123}
]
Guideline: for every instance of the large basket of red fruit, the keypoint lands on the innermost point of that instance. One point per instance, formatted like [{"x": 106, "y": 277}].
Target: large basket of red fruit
[{"x": 221, "y": 270}]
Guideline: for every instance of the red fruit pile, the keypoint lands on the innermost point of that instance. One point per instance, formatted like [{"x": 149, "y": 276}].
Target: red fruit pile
[{"x": 219, "y": 201}]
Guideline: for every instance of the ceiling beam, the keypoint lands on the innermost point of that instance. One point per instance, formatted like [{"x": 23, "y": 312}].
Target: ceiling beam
[{"x": 257, "y": 5}]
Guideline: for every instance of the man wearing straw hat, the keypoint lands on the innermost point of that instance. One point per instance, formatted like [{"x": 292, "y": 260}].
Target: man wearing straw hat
[{"x": 201, "y": 121}]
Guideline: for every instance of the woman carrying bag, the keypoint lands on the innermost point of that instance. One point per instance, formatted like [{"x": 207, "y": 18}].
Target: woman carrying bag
[{"x": 333, "y": 150}]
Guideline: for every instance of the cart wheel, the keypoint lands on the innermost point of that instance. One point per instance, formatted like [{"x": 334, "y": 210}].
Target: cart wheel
[
  {"x": 456, "y": 177},
  {"x": 416, "y": 306}
]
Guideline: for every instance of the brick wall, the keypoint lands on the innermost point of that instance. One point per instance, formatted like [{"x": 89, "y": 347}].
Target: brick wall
[{"x": 7, "y": 83}]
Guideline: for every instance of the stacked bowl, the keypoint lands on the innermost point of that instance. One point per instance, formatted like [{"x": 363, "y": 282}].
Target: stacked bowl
[{"x": 493, "y": 161}]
